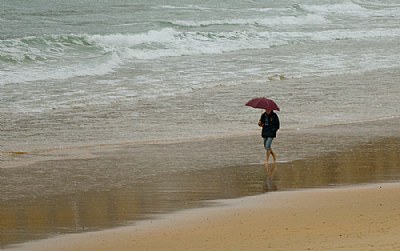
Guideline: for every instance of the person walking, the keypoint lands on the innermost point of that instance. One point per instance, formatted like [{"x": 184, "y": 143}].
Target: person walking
[{"x": 269, "y": 121}]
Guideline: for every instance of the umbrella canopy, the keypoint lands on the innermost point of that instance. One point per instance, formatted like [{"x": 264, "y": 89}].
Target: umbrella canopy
[{"x": 263, "y": 103}]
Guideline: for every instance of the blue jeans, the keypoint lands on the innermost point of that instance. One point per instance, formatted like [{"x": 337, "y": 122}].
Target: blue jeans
[{"x": 268, "y": 143}]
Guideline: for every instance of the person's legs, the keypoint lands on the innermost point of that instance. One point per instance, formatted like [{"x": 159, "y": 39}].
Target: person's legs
[
  {"x": 267, "y": 155},
  {"x": 273, "y": 156},
  {"x": 267, "y": 145}
]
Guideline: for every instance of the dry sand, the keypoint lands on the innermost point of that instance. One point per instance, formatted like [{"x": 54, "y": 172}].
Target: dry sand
[{"x": 348, "y": 218}]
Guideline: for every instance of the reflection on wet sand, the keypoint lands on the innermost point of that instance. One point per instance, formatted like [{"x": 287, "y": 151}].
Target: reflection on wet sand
[
  {"x": 370, "y": 162},
  {"x": 269, "y": 184},
  {"x": 100, "y": 203}
]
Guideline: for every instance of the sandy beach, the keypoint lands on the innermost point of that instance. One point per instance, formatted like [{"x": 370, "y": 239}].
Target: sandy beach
[{"x": 348, "y": 218}]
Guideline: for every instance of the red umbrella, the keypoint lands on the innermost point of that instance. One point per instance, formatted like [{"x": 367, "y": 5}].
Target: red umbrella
[{"x": 263, "y": 103}]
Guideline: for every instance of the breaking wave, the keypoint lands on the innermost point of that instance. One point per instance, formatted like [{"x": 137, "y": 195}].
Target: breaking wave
[{"x": 65, "y": 56}]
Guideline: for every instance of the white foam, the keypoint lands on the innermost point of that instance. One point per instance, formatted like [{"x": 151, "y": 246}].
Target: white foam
[
  {"x": 165, "y": 35},
  {"x": 185, "y": 7},
  {"x": 356, "y": 8},
  {"x": 359, "y": 34},
  {"x": 378, "y": 3},
  {"x": 172, "y": 43},
  {"x": 340, "y": 8},
  {"x": 54, "y": 72},
  {"x": 114, "y": 50}
]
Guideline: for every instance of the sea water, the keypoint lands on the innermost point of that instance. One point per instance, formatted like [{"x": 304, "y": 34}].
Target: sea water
[{"x": 89, "y": 72}]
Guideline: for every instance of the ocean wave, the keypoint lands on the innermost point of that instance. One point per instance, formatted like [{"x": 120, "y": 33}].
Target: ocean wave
[
  {"x": 340, "y": 8},
  {"x": 53, "y": 57},
  {"x": 41, "y": 48},
  {"x": 355, "y": 8},
  {"x": 377, "y": 3},
  {"x": 67, "y": 56},
  {"x": 165, "y": 42},
  {"x": 356, "y": 35},
  {"x": 266, "y": 22},
  {"x": 185, "y": 7},
  {"x": 165, "y": 35},
  {"x": 60, "y": 71},
  {"x": 169, "y": 42}
]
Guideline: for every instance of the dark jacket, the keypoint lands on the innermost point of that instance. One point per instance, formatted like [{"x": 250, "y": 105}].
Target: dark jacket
[{"x": 270, "y": 125}]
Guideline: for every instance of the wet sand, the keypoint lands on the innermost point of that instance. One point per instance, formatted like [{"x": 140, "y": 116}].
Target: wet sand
[
  {"x": 350, "y": 218},
  {"x": 133, "y": 186}
]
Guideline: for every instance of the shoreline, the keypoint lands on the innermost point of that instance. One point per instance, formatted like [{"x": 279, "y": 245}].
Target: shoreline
[
  {"x": 22, "y": 157},
  {"x": 351, "y": 218}
]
